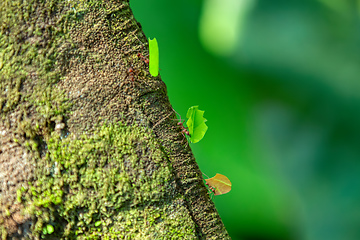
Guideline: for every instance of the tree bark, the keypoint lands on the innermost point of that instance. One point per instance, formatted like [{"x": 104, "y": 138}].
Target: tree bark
[{"x": 89, "y": 148}]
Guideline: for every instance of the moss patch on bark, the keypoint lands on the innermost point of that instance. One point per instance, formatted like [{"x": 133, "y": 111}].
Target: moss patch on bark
[{"x": 114, "y": 182}]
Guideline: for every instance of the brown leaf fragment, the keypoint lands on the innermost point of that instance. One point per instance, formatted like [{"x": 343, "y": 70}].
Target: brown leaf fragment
[{"x": 221, "y": 184}]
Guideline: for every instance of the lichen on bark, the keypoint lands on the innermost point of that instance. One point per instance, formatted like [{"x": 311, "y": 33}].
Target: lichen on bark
[{"x": 86, "y": 145}]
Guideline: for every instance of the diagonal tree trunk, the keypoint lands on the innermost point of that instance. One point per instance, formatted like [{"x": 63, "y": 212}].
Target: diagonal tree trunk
[{"x": 89, "y": 148}]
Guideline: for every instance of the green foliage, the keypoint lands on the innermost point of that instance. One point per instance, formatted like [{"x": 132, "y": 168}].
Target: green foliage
[
  {"x": 153, "y": 57},
  {"x": 196, "y": 124}
]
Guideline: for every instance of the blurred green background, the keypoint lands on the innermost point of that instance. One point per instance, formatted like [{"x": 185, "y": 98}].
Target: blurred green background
[{"x": 279, "y": 83}]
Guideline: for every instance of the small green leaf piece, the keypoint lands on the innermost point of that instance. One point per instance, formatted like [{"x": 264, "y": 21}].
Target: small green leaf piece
[
  {"x": 221, "y": 184},
  {"x": 97, "y": 223},
  {"x": 50, "y": 229},
  {"x": 153, "y": 57},
  {"x": 196, "y": 124}
]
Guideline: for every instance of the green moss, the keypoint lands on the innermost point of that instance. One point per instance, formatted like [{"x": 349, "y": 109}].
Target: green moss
[
  {"x": 117, "y": 175},
  {"x": 3, "y": 233},
  {"x": 29, "y": 64}
]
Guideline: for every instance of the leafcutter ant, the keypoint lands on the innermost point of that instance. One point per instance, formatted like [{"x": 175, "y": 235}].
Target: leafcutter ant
[
  {"x": 211, "y": 188},
  {"x": 184, "y": 130},
  {"x": 146, "y": 60},
  {"x": 131, "y": 74}
]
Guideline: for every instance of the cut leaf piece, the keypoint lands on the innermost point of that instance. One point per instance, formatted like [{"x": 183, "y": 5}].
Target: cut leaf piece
[
  {"x": 196, "y": 124},
  {"x": 153, "y": 57},
  {"x": 221, "y": 184},
  {"x": 50, "y": 229}
]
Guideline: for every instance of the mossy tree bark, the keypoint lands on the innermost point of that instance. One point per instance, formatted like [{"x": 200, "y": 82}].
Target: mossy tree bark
[{"x": 89, "y": 149}]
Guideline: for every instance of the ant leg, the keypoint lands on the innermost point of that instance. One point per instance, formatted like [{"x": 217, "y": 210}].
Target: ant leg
[
  {"x": 178, "y": 114},
  {"x": 183, "y": 138},
  {"x": 211, "y": 195},
  {"x": 211, "y": 190}
]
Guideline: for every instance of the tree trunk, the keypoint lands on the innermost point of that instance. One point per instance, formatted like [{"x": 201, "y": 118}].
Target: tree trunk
[{"x": 89, "y": 148}]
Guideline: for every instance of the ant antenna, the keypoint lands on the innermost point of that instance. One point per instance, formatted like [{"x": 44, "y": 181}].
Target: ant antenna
[
  {"x": 177, "y": 114},
  {"x": 205, "y": 175}
]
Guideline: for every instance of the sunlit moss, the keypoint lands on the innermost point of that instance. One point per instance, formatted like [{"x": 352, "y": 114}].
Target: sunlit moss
[{"x": 116, "y": 175}]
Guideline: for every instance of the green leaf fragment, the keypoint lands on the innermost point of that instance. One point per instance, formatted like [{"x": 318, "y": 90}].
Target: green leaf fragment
[
  {"x": 196, "y": 124},
  {"x": 48, "y": 229},
  {"x": 153, "y": 57},
  {"x": 97, "y": 223}
]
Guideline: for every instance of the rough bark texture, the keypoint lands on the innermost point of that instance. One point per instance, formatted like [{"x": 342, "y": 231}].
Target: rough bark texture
[{"x": 86, "y": 146}]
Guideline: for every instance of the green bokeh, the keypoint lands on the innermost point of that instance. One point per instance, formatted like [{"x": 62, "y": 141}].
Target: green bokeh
[{"x": 283, "y": 111}]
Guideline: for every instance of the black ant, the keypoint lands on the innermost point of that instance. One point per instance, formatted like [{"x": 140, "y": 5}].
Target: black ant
[{"x": 146, "y": 60}]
